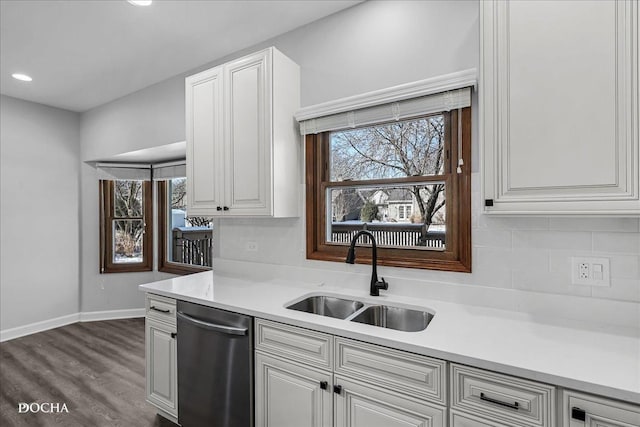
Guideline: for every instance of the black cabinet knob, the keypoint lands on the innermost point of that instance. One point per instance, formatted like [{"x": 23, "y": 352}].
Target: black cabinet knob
[
  {"x": 218, "y": 208},
  {"x": 226, "y": 208},
  {"x": 173, "y": 334},
  {"x": 337, "y": 389},
  {"x": 324, "y": 385}
]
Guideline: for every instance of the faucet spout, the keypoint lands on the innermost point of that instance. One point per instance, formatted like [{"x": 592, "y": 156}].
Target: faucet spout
[{"x": 376, "y": 284}]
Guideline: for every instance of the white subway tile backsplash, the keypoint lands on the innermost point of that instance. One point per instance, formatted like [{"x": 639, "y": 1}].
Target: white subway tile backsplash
[
  {"x": 513, "y": 223},
  {"x": 595, "y": 224},
  {"x": 625, "y": 267},
  {"x": 526, "y": 259},
  {"x": 628, "y": 243},
  {"x": 560, "y": 260},
  {"x": 575, "y": 240},
  {"x": 491, "y": 267},
  {"x": 620, "y": 289},
  {"x": 491, "y": 238},
  {"x": 553, "y": 283}
]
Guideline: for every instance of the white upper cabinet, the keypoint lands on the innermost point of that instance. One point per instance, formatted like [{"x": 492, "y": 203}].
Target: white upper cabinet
[
  {"x": 559, "y": 107},
  {"x": 204, "y": 136},
  {"x": 242, "y": 143}
]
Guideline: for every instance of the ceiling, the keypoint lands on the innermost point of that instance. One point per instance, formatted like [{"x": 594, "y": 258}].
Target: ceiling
[
  {"x": 162, "y": 153},
  {"x": 84, "y": 53}
]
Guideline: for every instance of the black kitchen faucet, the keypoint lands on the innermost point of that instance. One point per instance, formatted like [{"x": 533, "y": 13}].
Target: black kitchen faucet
[{"x": 376, "y": 284}]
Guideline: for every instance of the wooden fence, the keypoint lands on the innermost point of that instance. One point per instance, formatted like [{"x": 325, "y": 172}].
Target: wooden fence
[
  {"x": 192, "y": 245},
  {"x": 389, "y": 234}
]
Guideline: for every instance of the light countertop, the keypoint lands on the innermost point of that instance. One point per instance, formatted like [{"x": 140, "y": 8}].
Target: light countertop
[{"x": 600, "y": 361}]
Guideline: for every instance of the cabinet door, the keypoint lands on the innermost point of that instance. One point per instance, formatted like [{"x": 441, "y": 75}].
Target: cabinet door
[
  {"x": 583, "y": 410},
  {"x": 559, "y": 107},
  {"x": 291, "y": 395},
  {"x": 461, "y": 419},
  {"x": 204, "y": 121},
  {"x": 362, "y": 405},
  {"x": 248, "y": 135},
  {"x": 161, "y": 358}
]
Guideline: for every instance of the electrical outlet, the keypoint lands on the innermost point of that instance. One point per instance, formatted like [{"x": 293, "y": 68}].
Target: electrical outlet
[
  {"x": 583, "y": 271},
  {"x": 251, "y": 247},
  {"x": 590, "y": 271}
]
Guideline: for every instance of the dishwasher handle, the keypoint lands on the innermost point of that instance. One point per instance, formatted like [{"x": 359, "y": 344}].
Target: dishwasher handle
[{"x": 229, "y": 330}]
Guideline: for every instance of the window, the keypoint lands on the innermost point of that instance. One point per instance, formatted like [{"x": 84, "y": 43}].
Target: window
[
  {"x": 184, "y": 242},
  {"x": 404, "y": 212},
  {"x": 399, "y": 180},
  {"x": 125, "y": 232}
]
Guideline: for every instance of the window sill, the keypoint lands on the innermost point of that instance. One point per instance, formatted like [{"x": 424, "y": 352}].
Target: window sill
[{"x": 182, "y": 269}]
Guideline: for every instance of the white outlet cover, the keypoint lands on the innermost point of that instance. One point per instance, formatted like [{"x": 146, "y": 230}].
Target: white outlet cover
[{"x": 603, "y": 278}]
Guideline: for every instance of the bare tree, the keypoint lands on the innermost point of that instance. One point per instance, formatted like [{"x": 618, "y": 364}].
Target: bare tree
[
  {"x": 179, "y": 193},
  {"x": 128, "y": 203},
  {"x": 393, "y": 150}
]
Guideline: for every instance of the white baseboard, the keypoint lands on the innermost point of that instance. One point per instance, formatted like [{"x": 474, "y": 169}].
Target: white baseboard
[
  {"x": 32, "y": 328},
  {"x": 92, "y": 316},
  {"x": 87, "y": 316}
]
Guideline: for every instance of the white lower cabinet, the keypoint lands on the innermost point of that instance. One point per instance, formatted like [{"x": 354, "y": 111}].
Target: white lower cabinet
[
  {"x": 358, "y": 404},
  {"x": 301, "y": 384},
  {"x": 291, "y": 395},
  {"x": 584, "y": 410},
  {"x": 461, "y": 419},
  {"x": 162, "y": 362},
  {"x": 483, "y": 398}
]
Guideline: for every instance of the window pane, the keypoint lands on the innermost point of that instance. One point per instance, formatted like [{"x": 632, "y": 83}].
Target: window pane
[
  {"x": 408, "y": 215},
  {"x": 392, "y": 150},
  {"x": 127, "y": 240},
  {"x": 127, "y": 199},
  {"x": 189, "y": 238}
]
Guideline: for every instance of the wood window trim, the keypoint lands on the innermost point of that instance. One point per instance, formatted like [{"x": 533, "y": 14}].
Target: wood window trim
[
  {"x": 164, "y": 264},
  {"x": 106, "y": 191},
  {"x": 456, "y": 257}
]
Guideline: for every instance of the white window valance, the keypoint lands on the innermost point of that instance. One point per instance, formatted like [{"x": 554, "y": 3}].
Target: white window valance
[
  {"x": 142, "y": 171},
  {"x": 128, "y": 171},
  {"x": 442, "y": 93},
  {"x": 169, "y": 170}
]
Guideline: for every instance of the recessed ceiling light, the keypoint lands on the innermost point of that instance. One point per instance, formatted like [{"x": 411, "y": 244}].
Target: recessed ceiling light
[
  {"x": 140, "y": 2},
  {"x": 22, "y": 77}
]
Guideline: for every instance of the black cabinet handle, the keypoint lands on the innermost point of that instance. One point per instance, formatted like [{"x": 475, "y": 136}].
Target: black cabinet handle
[
  {"x": 337, "y": 389},
  {"x": 226, "y": 208},
  {"x": 324, "y": 385},
  {"x": 153, "y": 307},
  {"x": 578, "y": 414},
  {"x": 514, "y": 405},
  {"x": 174, "y": 334},
  {"x": 218, "y": 208}
]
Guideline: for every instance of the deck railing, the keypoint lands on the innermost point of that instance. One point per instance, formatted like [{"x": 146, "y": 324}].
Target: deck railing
[
  {"x": 192, "y": 245},
  {"x": 389, "y": 234}
]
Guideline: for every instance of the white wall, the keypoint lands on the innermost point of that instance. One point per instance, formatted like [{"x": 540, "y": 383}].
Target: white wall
[
  {"x": 372, "y": 46},
  {"x": 39, "y": 212}
]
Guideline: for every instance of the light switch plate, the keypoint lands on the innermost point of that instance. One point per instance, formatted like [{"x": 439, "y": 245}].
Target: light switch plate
[{"x": 590, "y": 271}]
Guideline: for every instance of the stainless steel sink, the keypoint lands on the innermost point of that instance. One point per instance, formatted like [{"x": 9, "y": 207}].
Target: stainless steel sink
[
  {"x": 401, "y": 319},
  {"x": 327, "y": 306}
]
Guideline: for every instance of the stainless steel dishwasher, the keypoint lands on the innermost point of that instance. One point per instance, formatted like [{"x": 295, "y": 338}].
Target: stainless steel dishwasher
[{"x": 215, "y": 367}]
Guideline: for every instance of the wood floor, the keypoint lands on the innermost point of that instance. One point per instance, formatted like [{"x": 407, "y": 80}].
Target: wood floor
[{"x": 96, "y": 368}]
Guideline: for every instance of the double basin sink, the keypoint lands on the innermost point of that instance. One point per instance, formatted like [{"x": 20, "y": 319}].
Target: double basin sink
[{"x": 385, "y": 316}]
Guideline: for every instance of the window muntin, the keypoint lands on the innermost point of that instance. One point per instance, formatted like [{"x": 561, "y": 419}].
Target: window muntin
[
  {"x": 185, "y": 243},
  {"x": 125, "y": 226},
  {"x": 449, "y": 142}
]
